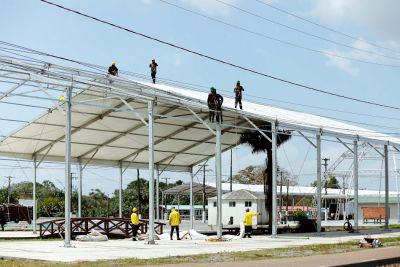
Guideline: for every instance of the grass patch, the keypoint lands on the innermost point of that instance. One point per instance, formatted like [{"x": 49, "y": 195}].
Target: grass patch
[{"x": 208, "y": 258}]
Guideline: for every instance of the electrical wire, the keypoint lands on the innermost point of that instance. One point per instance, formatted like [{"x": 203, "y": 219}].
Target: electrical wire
[
  {"x": 324, "y": 27},
  {"x": 304, "y": 32},
  {"x": 223, "y": 61},
  {"x": 280, "y": 40}
]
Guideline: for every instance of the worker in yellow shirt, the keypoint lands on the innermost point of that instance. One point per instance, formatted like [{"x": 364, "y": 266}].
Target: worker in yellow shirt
[
  {"x": 174, "y": 221},
  {"x": 248, "y": 222},
  {"x": 135, "y": 223}
]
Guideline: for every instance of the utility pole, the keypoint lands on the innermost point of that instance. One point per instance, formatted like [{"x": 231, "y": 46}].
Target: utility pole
[
  {"x": 166, "y": 186},
  {"x": 325, "y": 164},
  {"x": 204, "y": 191},
  {"x": 9, "y": 188},
  {"x": 281, "y": 197}
]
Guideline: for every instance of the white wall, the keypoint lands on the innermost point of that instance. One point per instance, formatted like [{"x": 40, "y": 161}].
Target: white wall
[{"x": 237, "y": 212}]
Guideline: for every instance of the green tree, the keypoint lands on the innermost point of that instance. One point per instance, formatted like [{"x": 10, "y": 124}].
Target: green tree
[
  {"x": 260, "y": 144},
  {"x": 249, "y": 175},
  {"x": 330, "y": 182}
]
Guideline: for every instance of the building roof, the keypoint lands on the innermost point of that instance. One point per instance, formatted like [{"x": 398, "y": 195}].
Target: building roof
[
  {"x": 184, "y": 189},
  {"x": 109, "y": 121},
  {"x": 297, "y": 190},
  {"x": 183, "y": 207},
  {"x": 241, "y": 195},
  {"x": 375, "y": 200}
]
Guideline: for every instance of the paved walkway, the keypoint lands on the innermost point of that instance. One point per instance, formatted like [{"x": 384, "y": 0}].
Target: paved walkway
[
  {"x": 363, "y": 257},
  {"x": 116, "y": 249}
]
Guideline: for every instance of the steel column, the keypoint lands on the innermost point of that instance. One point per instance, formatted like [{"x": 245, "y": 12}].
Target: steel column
[
  {"x": 273, "y": 220},
  {"x": 80, "y": 189},
  {"x": 385, "y": 152},
  {"x": 34, "y": 196},
  {"x": 191, "y": 200},
  {"x": 120, "y": 191},
  {"x": 318, "y": 143},
  {"x": 151, "y": 171},
  {"x": 218, "y": 178},
  {"x": 68, "y": 182},
  {"x": 355, "y": 176}
]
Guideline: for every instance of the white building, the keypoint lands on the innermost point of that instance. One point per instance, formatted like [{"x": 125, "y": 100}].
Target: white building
[{"x": 234, "y": 204}]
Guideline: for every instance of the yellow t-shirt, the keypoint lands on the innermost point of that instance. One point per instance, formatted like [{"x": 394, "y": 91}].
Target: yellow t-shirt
[
  {"x": 174, "y": 218},
  {"x": 248, "y": 218},
  {"x": 134, "y": 219}
]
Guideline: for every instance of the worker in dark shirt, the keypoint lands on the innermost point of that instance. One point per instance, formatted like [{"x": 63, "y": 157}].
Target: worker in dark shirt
[
  {"x": 212, "y": 103},
  {"x": 238, "y": 94},
  {"x": 113, "y": 70},
  {"x": 153, "y": 68},
  {"x": 220, "y": 100}
]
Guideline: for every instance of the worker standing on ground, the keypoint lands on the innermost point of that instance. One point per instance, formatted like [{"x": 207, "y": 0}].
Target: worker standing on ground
[
  {"x": 135, "y": 223},
  {"x": 174, "y": 222},
  {"x": 238, "y": 94},
  {"x": 113, "y": 70},
  {"x": 248, "y": 222},
  {"x": 153, "y": 67},
  {"x": 212, "y": 104},
  {"x": 3, "y": 219}
]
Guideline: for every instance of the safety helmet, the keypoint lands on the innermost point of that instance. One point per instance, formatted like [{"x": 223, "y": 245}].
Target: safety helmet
[
  {"x": 113, "y": 63},
  {"x": 134, "y": 209},
  {"x": 238, "y": 82},
  {"x": 212, "y": 89}
]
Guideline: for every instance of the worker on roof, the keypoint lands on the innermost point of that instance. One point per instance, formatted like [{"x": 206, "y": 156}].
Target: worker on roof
[
  {"x": 214, "y": 102},
  {"x": 238, "y": 94},
  {"x": 113, "y": 70},
  {"x": 3, "y": 219},
  {"x": 174, "y": 222},
  {"x": 153, "y": 68},
  {"x": 248, "y": 222},
  {"x": 135, "y": 223}
]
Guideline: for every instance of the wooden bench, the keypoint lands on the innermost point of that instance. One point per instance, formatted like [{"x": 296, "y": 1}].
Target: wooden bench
[{"x": 373, "y": 213}]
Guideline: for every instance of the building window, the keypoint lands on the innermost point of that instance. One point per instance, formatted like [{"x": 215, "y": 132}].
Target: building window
[
  {"x": 232, "y": 204},
  {"x": 247, "y": 203},
  {"x": 215, "y": 204}
]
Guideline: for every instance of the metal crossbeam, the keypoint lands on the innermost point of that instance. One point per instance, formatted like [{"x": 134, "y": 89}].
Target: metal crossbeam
[
  {"x": 308, "y": 140},
  {"x": 258, "y": 129},
  {"x": 201, "y": 120},
  {"x": 343, "y": 143},
  {"x": 184, "y": 128},
  {"x": 380, "y": 153}
]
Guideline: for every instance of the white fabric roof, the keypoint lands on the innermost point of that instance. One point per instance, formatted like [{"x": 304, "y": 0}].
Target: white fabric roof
[{"x": 106, "y": 132}]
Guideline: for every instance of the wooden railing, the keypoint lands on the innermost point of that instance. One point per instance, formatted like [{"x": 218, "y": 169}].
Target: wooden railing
[{"x": 108, "y": 226}]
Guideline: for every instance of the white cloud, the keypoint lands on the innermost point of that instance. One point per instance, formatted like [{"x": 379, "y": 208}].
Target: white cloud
[
  {"x": 211, "y": 7},
  {"x": 378, "y": 17}
]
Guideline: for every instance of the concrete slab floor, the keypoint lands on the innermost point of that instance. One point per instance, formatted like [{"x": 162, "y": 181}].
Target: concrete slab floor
[{"x": 118, "y": 249}]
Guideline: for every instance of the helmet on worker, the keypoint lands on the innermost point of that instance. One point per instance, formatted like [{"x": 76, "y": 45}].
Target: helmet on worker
[
  {"x": 213, "y": 90},
  {"x": 113, "y": 63},
  {"x": 134, "y": 209}
]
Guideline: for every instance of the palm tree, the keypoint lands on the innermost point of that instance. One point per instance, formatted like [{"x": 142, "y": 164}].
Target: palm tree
[{"x": 259, "y": 143}]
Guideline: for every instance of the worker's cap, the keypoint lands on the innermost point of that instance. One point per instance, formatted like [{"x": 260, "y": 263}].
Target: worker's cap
[
  {"x": 173, "y": 208},
  {"x": 238, "y": 82},
  {"x": 212, "y": 89},
  {"x": 134, "y": 209},
  {"x": 113, "y": 63},
  {"x": 153, "y": 60}
]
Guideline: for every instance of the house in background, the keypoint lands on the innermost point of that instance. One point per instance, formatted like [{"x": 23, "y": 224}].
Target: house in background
[{"x": 234, "y": 204}]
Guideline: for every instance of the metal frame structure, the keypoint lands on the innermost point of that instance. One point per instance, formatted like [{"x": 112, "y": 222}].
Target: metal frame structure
[{"x": 177, "y": 136}]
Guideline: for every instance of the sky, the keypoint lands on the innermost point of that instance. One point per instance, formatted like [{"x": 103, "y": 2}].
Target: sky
[{"x": 252, "y": 42}]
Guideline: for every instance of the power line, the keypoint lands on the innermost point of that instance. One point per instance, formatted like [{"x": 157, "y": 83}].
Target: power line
[
  {"x": 304, "y": 32},
  {"x": 325, "y": 27},
  {"x": 223, "y": 61},
  {"x": 277, "y": 39}
]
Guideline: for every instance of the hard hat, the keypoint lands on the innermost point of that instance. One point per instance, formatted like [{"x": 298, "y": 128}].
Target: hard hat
[
  {"x": 62, "y": 98},
  {"x": 134, "y": 209},
  {"x": 212, "y": 89},
  {"x": 113, "y": 63},
  {"x": 238, "y": 82}
]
